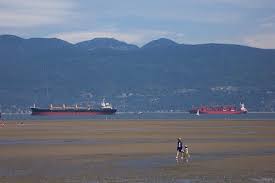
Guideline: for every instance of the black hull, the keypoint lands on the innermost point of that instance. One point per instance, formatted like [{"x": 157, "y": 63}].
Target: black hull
[{"x": 71, "y": 112}]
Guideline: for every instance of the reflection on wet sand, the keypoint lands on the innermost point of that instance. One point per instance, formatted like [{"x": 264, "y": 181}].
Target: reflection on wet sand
[{"x": 137, "y": 151}]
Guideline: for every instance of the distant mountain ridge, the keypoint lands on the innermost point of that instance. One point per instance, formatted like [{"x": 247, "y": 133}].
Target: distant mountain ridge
[
  {"x": 105, "y": 43},
  {"x": 162, "y": 42},
  {"x": 161, "y": 75}
]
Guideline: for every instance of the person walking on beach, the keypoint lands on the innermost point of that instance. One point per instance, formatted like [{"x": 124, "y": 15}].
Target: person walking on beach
[{"x": 179, "y": 148}]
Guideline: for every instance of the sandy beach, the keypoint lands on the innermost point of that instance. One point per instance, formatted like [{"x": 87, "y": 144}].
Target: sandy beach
[{"x": 137, "y": 151}]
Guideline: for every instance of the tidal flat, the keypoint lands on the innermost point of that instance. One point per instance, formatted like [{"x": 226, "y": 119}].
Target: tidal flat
[{"x": 137, "y": 151}]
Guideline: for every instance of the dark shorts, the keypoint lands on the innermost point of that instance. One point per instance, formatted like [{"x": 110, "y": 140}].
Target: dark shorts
[{"x": 179, "y": 149}]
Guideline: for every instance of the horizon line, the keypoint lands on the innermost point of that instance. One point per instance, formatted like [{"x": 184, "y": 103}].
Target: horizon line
[{"x": 107, "y": 37}]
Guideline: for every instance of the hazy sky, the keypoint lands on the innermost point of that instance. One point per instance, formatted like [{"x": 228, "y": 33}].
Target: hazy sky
[{"x": 246, "y": 22}]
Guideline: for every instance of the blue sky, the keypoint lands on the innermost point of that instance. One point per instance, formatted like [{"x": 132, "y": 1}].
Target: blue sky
[{"x": 246, "y": 22}]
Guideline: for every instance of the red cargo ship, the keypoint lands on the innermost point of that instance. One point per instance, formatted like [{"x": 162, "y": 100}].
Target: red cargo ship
[{"x": 219, "y": 110}]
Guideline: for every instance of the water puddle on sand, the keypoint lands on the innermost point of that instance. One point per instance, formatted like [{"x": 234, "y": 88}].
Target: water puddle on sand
[
  {"x": 120, "y": 141},
  {"x": 263, "y": 180},
  {"x": 168, "y": 160},
  {"x": 75, "y": 141},
  {"x": 148, "y": 162},
  {"x": 137, "y": 179},
  {"x": 47, "y": 142},
  {"x": 136, "y": 169}
]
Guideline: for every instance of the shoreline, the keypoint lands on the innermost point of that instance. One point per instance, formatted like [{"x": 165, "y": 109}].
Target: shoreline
[
  {"x": 129, "y": 120},
  {"x": 155, "y": 112}
]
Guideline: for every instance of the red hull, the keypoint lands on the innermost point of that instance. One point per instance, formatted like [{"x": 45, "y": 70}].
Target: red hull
[
  {"x": 222, "y": 112},
  {"x": 218, "y": 110}
]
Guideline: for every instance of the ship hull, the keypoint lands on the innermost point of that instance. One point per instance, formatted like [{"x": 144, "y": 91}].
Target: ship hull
[
  {"x": 194, "y": 111},
  {"x": 73, "y": 112}
]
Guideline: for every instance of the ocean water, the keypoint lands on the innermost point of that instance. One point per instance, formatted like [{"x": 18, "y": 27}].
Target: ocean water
[{"x": 147, "y": 116}]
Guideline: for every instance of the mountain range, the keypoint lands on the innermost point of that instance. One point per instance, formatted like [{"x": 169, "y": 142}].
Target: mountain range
[{"x": 162, "y": 75}]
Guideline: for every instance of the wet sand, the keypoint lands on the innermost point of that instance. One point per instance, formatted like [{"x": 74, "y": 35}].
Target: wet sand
[{"x": 137, "y": 151}]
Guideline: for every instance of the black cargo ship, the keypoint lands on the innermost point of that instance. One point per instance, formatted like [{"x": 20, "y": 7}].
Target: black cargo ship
[{"x": 105, "y": 109}]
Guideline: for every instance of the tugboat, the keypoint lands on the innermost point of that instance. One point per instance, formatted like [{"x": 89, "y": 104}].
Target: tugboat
[
  {"x": 105, "y": 109},
  {"x": 219, "y": 110}
]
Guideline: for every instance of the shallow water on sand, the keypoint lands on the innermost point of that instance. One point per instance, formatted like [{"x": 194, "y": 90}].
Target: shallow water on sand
[
  {"x": 137, "y": 151},
  {"x": 142, "y": 169}
]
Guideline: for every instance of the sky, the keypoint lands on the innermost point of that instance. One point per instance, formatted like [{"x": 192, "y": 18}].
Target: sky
[{"x": 244, "y": 22}]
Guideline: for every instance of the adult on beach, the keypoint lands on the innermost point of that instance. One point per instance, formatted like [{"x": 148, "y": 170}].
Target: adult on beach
[{"x": 179, "y": 148}]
